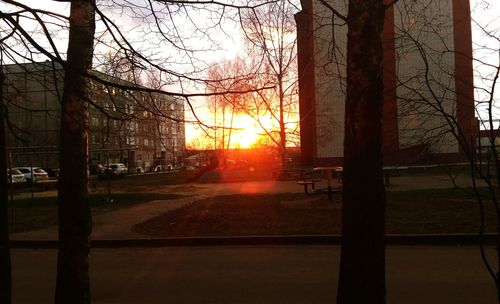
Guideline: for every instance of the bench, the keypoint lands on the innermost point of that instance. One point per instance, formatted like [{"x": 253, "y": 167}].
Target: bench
[
  {"x": 391, "y": 171},
  {"x": 288, "y": 174},
  {"x": 306, "y": 182}
]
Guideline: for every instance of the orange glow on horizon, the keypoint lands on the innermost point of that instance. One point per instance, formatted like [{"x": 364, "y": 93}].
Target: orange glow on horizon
[{"x": 246, "y": 133}]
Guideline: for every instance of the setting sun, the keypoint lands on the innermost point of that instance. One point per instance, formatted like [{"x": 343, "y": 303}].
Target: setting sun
[{"x": 246, "y": 132}]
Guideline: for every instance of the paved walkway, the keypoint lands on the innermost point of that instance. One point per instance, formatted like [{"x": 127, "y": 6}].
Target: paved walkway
[
  {"x": 117, "y": 224},
  {"x": 255, "y": 274}
]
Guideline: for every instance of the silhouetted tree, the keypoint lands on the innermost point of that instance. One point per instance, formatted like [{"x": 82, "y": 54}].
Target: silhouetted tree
[
  {"x": 224, "y": 76},
  {"x": 362, "y": 264},
  {"x": 441, "y": 90},
  {"x": 75, "y": 223},
  {"x": 270, "y": 34},
  {"x": 5, "y": 265}
]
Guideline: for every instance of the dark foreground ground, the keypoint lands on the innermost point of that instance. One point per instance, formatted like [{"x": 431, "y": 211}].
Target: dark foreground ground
[{"x": 255, "y": 274}]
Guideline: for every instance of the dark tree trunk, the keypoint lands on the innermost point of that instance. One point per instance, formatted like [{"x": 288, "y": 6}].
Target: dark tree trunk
[
  {"x": 75, "y": 221},
  {"x": 362, "y": 265},
  {"x": 5, "y": 267}
]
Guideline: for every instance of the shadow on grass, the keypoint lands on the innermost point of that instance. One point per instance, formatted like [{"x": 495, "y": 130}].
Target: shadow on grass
[
  {"x": 411, "y": 212},
  {"x": 246, "y": 215}
]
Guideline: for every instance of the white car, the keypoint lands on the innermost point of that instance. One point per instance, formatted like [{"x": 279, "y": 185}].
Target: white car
[
  {"x": 16, "y": 176},
  {"x": 33, "y": 174},
  {"x": 118, "y": 169}
]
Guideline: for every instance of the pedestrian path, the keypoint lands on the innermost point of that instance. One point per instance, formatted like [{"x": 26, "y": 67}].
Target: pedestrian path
[
  {"x": 256, "y": 274},
  {"x": 117, "y": 224}
]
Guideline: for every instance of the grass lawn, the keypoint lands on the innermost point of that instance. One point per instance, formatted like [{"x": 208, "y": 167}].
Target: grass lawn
[
  {"x": 42, "y": 212},
  {"x": 425, "y": 211}
]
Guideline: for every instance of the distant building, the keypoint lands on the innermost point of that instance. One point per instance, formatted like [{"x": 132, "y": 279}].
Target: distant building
[
  {"x": 413, "y": 131},
  {"x": 122, "y": 126}
]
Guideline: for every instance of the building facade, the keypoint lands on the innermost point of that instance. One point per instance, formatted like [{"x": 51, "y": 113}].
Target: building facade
[
  {"x": 138, "y": 128},
  {"x": 428, "y": 79}
]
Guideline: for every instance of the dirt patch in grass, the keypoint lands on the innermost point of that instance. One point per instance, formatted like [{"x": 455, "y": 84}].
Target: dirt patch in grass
[{"x": 425, "y": 212}]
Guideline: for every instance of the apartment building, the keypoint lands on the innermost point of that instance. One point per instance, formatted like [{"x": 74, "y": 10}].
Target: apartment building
[
  {"x": 131, "y": 126},
  {"x": 427, "y": 73}
]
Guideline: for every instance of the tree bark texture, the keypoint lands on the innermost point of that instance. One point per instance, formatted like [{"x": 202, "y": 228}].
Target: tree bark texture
[
  {"x": 362, "y": 265},
  {"x": 75, "y": 223},
  {"x": 5, "y": 265}
]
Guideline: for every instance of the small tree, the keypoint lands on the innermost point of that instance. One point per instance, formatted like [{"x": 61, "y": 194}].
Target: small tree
[
  {"x": 271, "y": 41},
  {"x": 224, "y": 77}
]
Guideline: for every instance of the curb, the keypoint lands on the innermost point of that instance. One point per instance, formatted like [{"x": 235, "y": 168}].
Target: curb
[{"x": 435, "y": 239}]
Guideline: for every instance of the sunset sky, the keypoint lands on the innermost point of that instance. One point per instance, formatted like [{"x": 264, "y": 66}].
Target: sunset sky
[{"x": 230, "y": 45}]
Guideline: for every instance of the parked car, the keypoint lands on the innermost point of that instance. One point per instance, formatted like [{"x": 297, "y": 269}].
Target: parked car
[
  {"x": 160, "y": 168},
  {"x": 33, "y": 174},
  {"x": 52, "y": 172},
  {"x": 118, "y": 169},
  {"x": 139, "y": 170},
  {"x": 16, "y": 176}
]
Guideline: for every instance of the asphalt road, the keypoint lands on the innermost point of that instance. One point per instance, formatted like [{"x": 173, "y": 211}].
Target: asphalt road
[{"x": 255, "y": 274}]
